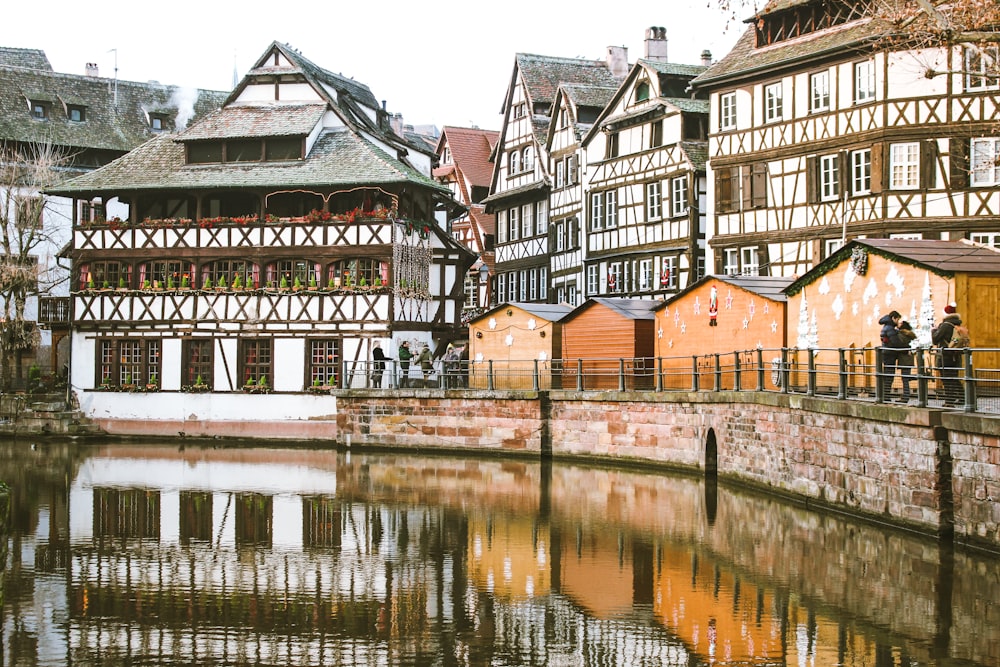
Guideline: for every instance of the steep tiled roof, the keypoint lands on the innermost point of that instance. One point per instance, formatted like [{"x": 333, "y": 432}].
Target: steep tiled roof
[
  {"x": 29, "y": 58},
  {"x": 543, "y": 74},
  {"x": 584, "y": 95},
  {"x": 339, "y": 158},
  {"x": 687, "y": 105},
  {"x": 697, "y": 153},
  {"x": 266, "y": 120},
  {"x": 470, "y": 151},
  {"x": 674, "y": 69},
  {"x": 107, "y": 125}
]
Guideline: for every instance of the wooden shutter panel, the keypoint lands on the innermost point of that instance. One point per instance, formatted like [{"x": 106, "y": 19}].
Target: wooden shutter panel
[
  {"x": 878, "y": 167},
  {"x": 747, "y": 181},
  {"x": 928, "y": 164},
  {"x": 758, "y": 185},
  {"x": 812, "y": 179},
  {"x": 959, "y": 163},
  {"x": 844, "y": 173},
  {"x": 572, "y": 170}
]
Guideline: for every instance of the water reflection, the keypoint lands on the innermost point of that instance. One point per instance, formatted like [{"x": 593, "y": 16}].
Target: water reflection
[{"x": 158, "y": 555}]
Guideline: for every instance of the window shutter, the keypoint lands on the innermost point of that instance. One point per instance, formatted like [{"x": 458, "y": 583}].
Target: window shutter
[
  {"x": 812, "y": 179},
  {"x": 959, "y": 163},
  {"x": 573, "y": 170},
  {"x": 878, "y": 167},
  {"x": 928, "y": 164},
  {"x": 844, "y": 173},
  {"x": 747, "y": 191},
  {"x": 720, "y": 175},
  {"x": 758, "y": 186}
]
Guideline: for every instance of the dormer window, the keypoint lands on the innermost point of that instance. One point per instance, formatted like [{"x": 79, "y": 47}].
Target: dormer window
[
  {"x": 158, "y": 122},
  {"x": 446, "y": 156},
  {"x": 642, "y": 92},
  {"x": 76, "y": 113},
  {"x": 40, "y": 109}
]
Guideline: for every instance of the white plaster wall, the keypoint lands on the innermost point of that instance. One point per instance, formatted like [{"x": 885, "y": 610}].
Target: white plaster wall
[
  {"x": 170, "y": 364},
  {"x": 289, "y": 363},
  {"x": 235, "y": 406},
  {"x": 907, "y": 74}
]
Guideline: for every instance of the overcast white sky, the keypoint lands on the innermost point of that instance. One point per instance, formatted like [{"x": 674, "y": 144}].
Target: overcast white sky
[{"x": 441, "y": 63}]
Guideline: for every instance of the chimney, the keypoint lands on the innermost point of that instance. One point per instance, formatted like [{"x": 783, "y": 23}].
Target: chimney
[
  {"x": 91, "y": 70},
  {"x": 706, "y": 57},
  {"x": 656, "y": 44},
  {"x": 396, "y": 122},
  {"x": 618, "y": 61}
]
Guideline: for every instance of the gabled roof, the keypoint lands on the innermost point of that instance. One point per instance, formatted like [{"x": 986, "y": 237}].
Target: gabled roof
[
  {"x": 944, "y": 258},
  {"x": 106, "y": 125},
  {"x": 579, "y": 96},
  {"x": 28, "y": 58},
  {"x": 470, "y": 151},
  {"x": 766, "y": 287},
  {"x": 542, "y": 75},
  {"x": 269, "y": 120},
  {"x": 632, "y": 309},
  {"x": 551, "y": 312},
  {"x": 339, "y": 158}
]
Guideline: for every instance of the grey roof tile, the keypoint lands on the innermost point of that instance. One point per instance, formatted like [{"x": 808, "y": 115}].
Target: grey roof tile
[
  {"x": 268, "y": 120},
  {"x": 28, "y": 58}
]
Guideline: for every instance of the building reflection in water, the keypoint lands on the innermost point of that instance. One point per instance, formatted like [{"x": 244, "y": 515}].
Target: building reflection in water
[{"x": 127, "y": 554}]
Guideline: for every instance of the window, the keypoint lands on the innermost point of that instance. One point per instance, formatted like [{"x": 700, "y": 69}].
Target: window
[
  {"x": 522, "y": 283},
  {"x": 223, "y": 272},
  {"x": 76, "y": 113},
  {"x": 543, "y": 284},
  {"x": 731, "y": 267},
  {"x": 158, "y": 122},
  {"x": 560, "y": 295},
  {"x": 560, "y": 174},
  {"x": 527, "y": 220},
  {"x": 612, "y": 145},
  {"x": 560, "y": 236},
  {"x": 654, "y": 201},
  {"x": 255, "y": 361},
  {"x": 471, "y": 287},
  {"x": 668, "y": 273},
  {"x": 773, "y": 102},
  {"x": 356, "y": 272},
  {"x": 446, "y": 155},
  {"x": 727, "y": 111},
  {"x": 572, "y": 295},
  {"x": 611, "y": 209},
  {"x": 593, "y": 286},
  {"x": 563, "y": 118},
  {"x": 829, "y": 177},
  {"x": 283, "y": 148},
  {"x": 750, "y": 261},
  {"x": 40, "y": 110},
  {"x": 198, "y": 361},
  {"x": 104, "y": 275},
  {"x": 244, "y": 150},
  {"x": 519, "y": 110},
  {"x": 831, "y": 246},
  {"x": 642, "y": 92},
  {"x": 861, "y": 171},
  {"x": 864, "y": 81},
  {"x": 512, "y": 228},
  {"x": 541, "y": 218},
  {"x": 991, "y": 239},
  {"x": 656, "y": 134},
  {"x": 727, "y": 189},
  {"x": 324, "y": 362},
  {"x": 597, "y": 211},
  {"x": 904, "y": 166},
  {"x": 164, "y": 273},
  {"x": 982, "y": 64},
  {"x": 501, "y": 288},
  {"x": 514, "y": 162},
  {"x": 203, "y": 152},
  {"x": 615, "y": 277},
  {"x": 819, "y": 91},
  {"x": 528, "y": 159},
  {"x": 754, "y": 185},
  {"x": 678, "y": 196},
  {"x": 533, "y": 292},
  {"x": 91, "y": 211},
  {"x": 129, "y": 362},
  {"x": 985, "y": 161},
  {"x": 645, "y": 275}
]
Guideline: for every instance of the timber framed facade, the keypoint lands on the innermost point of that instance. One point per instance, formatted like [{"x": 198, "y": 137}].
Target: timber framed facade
[{"x": 823, "y": 130}]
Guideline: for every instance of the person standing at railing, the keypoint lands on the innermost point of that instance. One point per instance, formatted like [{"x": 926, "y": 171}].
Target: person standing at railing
[
  {"x": 378, "y": 365},
  {"x": 890, "y": 354},
  {"x": 951, "y": 338},
  {"x": 404, "y": 363},
  {"x": 905, "y": 335},
  {"x": 426, "y": 362}
]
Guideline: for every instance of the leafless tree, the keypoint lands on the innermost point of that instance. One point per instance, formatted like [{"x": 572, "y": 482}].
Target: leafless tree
[{"x": 26, "y": 170}]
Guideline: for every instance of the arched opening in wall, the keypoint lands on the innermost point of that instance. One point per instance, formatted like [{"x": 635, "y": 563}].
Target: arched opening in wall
[{"x": 711, "y": 455}]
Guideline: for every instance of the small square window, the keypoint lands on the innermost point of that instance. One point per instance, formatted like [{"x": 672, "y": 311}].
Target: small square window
[
  {"x": 39, "y": 110},
  {"x": 158, "y": 122},
  {"x": 77, "y": 114}
]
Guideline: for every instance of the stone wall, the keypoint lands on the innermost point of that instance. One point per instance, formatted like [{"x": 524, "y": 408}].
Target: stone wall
[{"x": 884, "y": 462}]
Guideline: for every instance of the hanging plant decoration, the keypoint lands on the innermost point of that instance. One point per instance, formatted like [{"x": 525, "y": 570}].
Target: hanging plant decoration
[{"x": 859, "y": 261}]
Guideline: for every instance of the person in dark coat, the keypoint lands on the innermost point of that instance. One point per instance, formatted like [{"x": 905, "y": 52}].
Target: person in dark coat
[
  {"x": 905, "y": 335},
  {"x": 378, "y": 365},
  {"x": 404, "y": 364},
  {"x": 890, "y": 354},
  {"x": 949, "y": 358}
]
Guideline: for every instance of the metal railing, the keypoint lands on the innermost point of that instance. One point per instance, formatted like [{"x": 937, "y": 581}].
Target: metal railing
[{"x": 966, "y": 379}]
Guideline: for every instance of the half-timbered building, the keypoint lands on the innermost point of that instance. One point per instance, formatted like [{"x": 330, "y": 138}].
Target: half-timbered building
[
  {"x": 645, "y": 183},
  {"x": 59, "y": 124},
  {"x": 463, "y": 158},
  {"x": 267, "y": 248},
  {"x": 522, "y": 182},
  {"x": 825, "y": 129},
  {"x": 576, "y": 107}
]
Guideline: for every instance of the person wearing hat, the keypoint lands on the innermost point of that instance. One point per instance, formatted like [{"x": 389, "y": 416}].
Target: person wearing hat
[
  {"x": 404, "y": 364},
  {"x": 450, "y": 361},
  {"x": 890, "y": 324},
  {"x": 951, "y": 337}
]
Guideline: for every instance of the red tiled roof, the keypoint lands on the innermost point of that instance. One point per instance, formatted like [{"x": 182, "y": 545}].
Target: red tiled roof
[{"x": 470, "y": 152}]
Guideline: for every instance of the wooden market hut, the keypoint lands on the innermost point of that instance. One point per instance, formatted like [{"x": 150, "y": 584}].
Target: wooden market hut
[
  {"x": 511, "y": 338},
  {"x": 603, "y": 337},
  {"x": 839, "y": 302},
  {"x": 726, "y": 315}
]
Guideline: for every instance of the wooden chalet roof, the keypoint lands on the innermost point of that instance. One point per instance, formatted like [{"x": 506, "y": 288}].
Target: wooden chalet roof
[
  {"x": 107, "y": 126},
  {"x": 543, "y": 74},
  {"x": 630, "y": 309},
  {"x": 268, "y": 120},
  {"x": 551, "y": 312},
  {"x": 766, "y": 287},
  {"x": 945, "y": 258},
  {"x": 470, "y": 152},
  {"x": 339, "y": 158},
  {"x": 746, "y": 59},
  {"x": 28, "y": 58}
]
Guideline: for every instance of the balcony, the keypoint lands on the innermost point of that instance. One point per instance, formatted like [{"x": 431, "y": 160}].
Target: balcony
[{"x": 53, "y": 312}]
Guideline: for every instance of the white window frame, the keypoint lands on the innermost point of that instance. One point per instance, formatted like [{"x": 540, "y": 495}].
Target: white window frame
[
  {"x": 514, "y": 162},
  {"x": 560, "y": 294},
  {"x": 727, "y": 111},
  {"x": 831, "y": 246},
  {"x": 654, "y": 200},
  {"x": 541, "y": 218},
  {"x": 560, "y": 236},
  {"x": 991, "y": 239},
  {"x": 501, "y": 287},
  {"x": 861, "y": 171},
  {"x": 678, "y": 196},
  {"x": 750, "y": 261},
  {"x": 646, "y": 274},
  {"x": 611, "y": 209},
  {"x": 571, "y": 295},
  {"x": 527, "y": 220},
  {"x": 671, "y": 265},
  {"x": 982, "y": 67},
  {"x": 533, "y": 282},
  {"x": 864, "y": 81},
  {"x": 904, "y": 166},
  {"x": 502, "y": 226},
  {"x": 593, "y": 279},
  {"x": 829, "y": 177},
  {"x": 819, "y": 91},
  {"x": 512, "y": 223},
  {"x": 773, "y": 110},
  {"x": 615, "y": 270},
  {"x": 560, "y": 173},
  {"x": 528, "y": 159},
  {"x": 731, "y": 261},
  {"x": 522, "y": 285},
  {"x": 597, "y": 211},
  {"x": 984, "y": 162},
  {"x": 543, "y": 284}
]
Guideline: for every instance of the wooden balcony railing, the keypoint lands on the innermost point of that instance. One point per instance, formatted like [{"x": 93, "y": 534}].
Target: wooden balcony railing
[{"x": 53, "y": 311}]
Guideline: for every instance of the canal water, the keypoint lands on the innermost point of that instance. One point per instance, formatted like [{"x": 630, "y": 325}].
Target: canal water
[{"x": 171, "y": 554}]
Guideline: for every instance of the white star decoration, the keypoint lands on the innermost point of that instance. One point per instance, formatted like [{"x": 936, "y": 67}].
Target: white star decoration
[
  {"x": 729, "y": 300},
  {"x": 767, "y": 308},
  {"x": 492, "y": 323},
  {"x": 659, "y": 333},
  {"x": 746, "y": 323},
  {"x": 774, "y": 326},
  {"x": 670, "y": 343},
  {"x": 684, "y": 327}
]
